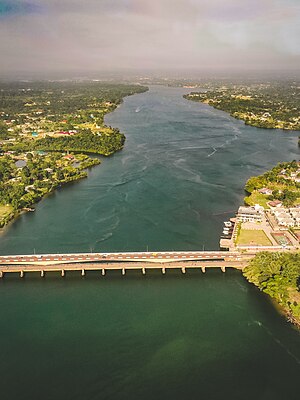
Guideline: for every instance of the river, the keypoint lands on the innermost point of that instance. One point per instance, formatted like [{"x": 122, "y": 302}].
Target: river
[{"x": 212, "y": 335}]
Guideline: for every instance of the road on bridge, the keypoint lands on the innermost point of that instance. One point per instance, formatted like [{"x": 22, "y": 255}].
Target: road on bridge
[{"x": 155, "y": 257}]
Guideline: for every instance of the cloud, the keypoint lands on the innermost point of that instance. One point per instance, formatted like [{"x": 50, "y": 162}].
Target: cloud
[{"x": 115, "y": 34}]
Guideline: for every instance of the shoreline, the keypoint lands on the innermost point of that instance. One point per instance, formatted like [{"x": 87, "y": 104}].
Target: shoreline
[
  {"x": 246, "y": 122},
  {"x": 275, "y": 275},
  {"x": 18, "y": 213},
  {"x": 282, "y": 310},
  {"x": 92, "y": 154}
]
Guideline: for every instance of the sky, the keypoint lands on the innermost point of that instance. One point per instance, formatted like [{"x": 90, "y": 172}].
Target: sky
[{"x": 108, "y": 35}]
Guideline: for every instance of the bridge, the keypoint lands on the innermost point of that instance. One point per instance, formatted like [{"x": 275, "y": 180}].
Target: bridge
[{"x": 123, "y": 261}]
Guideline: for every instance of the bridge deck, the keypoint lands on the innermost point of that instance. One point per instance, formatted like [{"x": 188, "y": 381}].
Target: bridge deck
[
  {"x": 143, "y": 267},
  {"x": 154, "y": 257},
  {"x": 143, "y": 261}
]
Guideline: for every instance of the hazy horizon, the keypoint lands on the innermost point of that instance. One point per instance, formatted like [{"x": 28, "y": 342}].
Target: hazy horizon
[{"x": 70, "y": 38}]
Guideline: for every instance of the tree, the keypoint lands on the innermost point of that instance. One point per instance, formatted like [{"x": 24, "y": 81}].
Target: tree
[{"x": 3, "y": 130}]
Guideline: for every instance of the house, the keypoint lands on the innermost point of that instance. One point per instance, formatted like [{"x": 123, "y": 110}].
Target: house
[
  {"x": 286, "y": 221},
  {"x": 265, "y": 191},
  {"x": 266, "y": 115},
  {"x": 275, "y": 204},
  {"x": 29, "y": 188}
]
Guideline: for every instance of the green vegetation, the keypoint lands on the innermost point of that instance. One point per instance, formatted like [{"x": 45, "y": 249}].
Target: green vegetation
[
  {"x": 42, "y": 121},
  {"x": 249, "y": 237},
  {"x": 257, "y": 198},
  {"x": 278, "y": 275},
  {"x": 61, "y": 116},
  {"x": 6, "y": 214},
  {"x": 283, "y": 181},
  {"x": 104, "y": 144},
  {"x": 20, "y": 187},
  {"x": 264, "y": 105}
]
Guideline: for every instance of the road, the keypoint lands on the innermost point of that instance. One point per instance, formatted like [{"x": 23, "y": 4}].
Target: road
[{"x": 153, "y": 257}]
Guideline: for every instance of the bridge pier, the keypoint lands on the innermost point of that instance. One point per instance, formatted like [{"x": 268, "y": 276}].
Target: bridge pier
[
  {"x": 143, "y": 271},
  {"x": 1, "y": 274},
  {"x": 42, "y": 273},
  {"x": 103, "y": 271},
  {"x": 163, "y": 270},
  {"x": 223, "y": 268},
  {"x": 123, "y": 271},
  {"x": 21, "y": 274},
  {"x": 203, "y": 269},
  {"x": 62, "y": 272},
  {"x": 82, "y": 272},
  {"x": 183, "y": 270}
]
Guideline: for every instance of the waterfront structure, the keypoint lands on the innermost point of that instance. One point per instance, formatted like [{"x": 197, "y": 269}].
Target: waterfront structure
[{"x": 250, "y": 214}]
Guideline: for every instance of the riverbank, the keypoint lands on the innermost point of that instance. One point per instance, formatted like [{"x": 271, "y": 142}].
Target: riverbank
[
  {"x": 277, "y": 275},
  {"x": 271, "y": 105},
  {"x": 44, "y": 146},
  {"x": 27, "y": 195}
]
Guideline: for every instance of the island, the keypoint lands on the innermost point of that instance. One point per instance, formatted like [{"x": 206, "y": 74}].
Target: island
[
  {"x": 47, "y": 130},
  {"x": 273, "y": 105}
]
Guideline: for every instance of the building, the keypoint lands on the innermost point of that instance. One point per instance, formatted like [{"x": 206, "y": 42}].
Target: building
[
  {"x": 250, "y": 214},
  {"x": 287, "y": 217},
  {"x": 275, "y": 204},
  {"x": 265, "y": 191}
]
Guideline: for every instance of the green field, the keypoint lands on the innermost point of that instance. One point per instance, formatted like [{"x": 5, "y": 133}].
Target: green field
[
  {"x": 253, "y": 238},
  {"x": 257, "y": 198}
]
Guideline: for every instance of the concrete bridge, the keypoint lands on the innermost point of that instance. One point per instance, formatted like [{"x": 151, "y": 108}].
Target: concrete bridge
[{"x": 103, "y": 262}]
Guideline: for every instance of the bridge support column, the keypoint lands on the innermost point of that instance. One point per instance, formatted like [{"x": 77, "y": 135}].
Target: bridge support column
[
  {"x": 123, "y": 271},
  {"x": 1, "y": 274},
  {"x": 22, "y": 274},
  {"x": 103, "y": 271},
  {"x": 42, "y": 273},
  {"x": 163, "y": 270},
  {"x": 143, "y": 271},
  {"x": 223, "y": 268},
  {"x": 183, "y": 270},
  {"x": 203, "y": 269},
  {"x": 82, "y": 272},
  {"x": 62, "y": 272}
]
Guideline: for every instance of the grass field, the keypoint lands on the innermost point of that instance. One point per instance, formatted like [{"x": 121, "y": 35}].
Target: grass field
[
  {"x": 253, "y": 238},
  {"x": 257, "y": 198}
]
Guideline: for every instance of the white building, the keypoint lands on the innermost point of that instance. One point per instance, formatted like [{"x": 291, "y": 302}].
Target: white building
[{"x": 250, "y": 214}]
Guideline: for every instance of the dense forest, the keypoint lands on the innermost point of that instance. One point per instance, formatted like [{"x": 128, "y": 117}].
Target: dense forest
[
  {"x": 278, "y": 275},
  {"x": 84, "y": 142}
]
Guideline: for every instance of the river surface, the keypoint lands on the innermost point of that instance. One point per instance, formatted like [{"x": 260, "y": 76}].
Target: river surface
[{"x": 197, "y": 336}]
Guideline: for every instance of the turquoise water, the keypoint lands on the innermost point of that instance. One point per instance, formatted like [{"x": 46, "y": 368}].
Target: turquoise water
[{"x": 196, "y": 336}]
